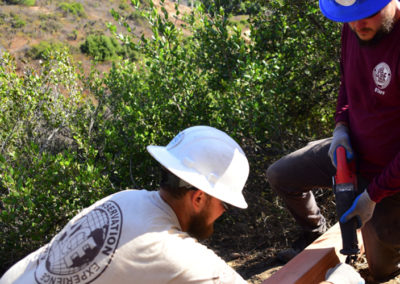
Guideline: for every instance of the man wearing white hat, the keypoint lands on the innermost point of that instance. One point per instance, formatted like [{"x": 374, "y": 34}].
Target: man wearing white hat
[
  {"x": 140, "y": 236},
  {"x": 151, "y": 237},
  {"x": 367, "y": 126}
]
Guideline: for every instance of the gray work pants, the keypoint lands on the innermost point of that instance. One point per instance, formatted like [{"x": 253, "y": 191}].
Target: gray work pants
[{"x": 294, "y": 176}]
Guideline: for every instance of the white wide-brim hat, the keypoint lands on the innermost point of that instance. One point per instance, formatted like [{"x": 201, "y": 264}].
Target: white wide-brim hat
[{"x": 208, "y": 159}]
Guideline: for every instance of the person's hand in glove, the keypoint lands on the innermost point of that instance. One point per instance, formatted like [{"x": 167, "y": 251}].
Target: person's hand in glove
[
  {"x": 343, "y": 273},
  {"x": 340, "y": 138},
  {"x": 363, "y": 207}
]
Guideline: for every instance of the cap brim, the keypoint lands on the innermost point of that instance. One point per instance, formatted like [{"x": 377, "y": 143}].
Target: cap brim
[
  {"x": 191, "y": 176},
  {"x": 359, "y": 10}
]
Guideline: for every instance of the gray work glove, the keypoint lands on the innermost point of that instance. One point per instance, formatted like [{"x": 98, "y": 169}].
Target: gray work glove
[
  {"x": 343, "y": 273},
  {"x": 363, "y": 208},
  {"x": 340, "y": 138}
]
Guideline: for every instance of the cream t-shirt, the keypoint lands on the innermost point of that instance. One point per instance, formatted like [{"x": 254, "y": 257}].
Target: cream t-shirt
[{"x": 132, "y": 236}]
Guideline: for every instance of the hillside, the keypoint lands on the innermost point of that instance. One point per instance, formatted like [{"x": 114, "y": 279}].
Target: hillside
[{"x": 23, "y": 27}]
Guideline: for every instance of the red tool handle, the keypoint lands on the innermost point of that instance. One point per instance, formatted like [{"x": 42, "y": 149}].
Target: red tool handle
[{"x": 344, "y": 170}]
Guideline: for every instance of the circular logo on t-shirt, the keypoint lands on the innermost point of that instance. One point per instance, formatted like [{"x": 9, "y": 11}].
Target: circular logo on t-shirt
[
  {"x": 82, "y": 251},
  {"x": 382, "y": 75}
]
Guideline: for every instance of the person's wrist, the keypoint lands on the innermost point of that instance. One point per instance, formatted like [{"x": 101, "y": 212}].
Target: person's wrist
[
  {"x": 341, "y": 127},
  {"x": 368, "y": 196},
  {"x": 341, "y": 123}
]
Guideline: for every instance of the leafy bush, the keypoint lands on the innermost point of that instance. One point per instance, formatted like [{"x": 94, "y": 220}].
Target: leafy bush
[
  {"x": 300, "y": 50},
  {"x": 123, "y": 5},
  {"x": 49, "y": 23},
  {"x": 237, "y": 7},
  {"x": 275, "y": 93},
  {"x": 16, "y": 21},
  {"x": 29, "y": 2},
  {"x": 103, "y": 47},
  {"x": 21, "y": 2},
  {"x": 41, "y": 50},
  {"x": 74, "y": 8},
  {"x": 48, "y": 169}
]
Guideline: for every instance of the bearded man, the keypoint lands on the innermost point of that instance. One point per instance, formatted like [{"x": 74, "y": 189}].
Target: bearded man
[
  {"x": 140, "y": 236},
  {"x": 367, "y": 126}
]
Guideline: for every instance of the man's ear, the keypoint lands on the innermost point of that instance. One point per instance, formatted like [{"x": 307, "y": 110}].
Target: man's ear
[{"x": 198, "y": 199}]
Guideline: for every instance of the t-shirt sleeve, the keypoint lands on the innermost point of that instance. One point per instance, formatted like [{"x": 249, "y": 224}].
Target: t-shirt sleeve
[{"x": 387, "y": 183}]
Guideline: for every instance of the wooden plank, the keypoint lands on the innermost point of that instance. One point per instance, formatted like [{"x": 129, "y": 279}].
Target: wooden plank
[{"x": 310, "y": 265}]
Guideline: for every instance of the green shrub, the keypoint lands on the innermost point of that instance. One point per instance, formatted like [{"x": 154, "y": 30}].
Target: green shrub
[
  {"x": 43, "y": 195},
  {"x": 123, "y": 5},
  {"x": 102, "y": 47},
  {"x": 74, "y": 8},
  {"x": 41, "y": 50},
  {"x": 16, "y": 21},
  {"x": 48, "y": 167},
  {"x": 21, "y": 2},
  {"x": 274, "y": 92},
  {"x": 29, "y": 2},
  {"x": 49, "y": 23}
]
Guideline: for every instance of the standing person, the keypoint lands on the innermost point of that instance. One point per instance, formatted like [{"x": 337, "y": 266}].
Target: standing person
[
  {"x": 140, "y": 236},
  {"x": 367, "y": 125}
]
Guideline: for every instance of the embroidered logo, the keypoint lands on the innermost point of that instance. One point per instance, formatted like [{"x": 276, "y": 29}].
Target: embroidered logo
[
  {"x": 382, "y": 75},
  {"x": 81, "y": 252}
]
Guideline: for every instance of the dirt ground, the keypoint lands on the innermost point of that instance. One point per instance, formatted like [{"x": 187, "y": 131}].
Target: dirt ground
[{"x": 260, "y": 263}]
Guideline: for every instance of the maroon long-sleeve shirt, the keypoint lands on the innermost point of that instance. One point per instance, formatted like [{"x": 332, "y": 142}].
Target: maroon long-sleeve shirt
[{"x": 369, "y": 102}]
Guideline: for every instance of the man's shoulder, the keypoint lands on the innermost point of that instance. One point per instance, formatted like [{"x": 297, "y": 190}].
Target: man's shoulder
[
  {"x": 131, "y": 195},
  {"x": 347, "y": 33}
]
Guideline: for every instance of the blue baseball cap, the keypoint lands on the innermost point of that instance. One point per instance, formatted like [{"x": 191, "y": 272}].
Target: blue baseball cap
[{"x": 350, "y": 10}]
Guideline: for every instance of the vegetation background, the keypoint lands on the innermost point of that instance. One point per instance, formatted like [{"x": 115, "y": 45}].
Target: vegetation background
[{"x": 85, "y": 86}]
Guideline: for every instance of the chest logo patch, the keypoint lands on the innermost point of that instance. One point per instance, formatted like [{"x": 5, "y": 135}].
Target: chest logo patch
[
  {"x": 81, "y": 252},
  {"x": 382, "y": 75}
]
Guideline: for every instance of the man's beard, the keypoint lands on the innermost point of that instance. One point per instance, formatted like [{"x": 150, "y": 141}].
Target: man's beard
[
  {"x": 198, "y": 227},
  {"x": 386, "y": 28}
]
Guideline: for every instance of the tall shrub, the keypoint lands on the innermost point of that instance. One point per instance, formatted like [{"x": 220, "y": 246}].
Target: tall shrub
[{"x": 48, "y": 170}]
